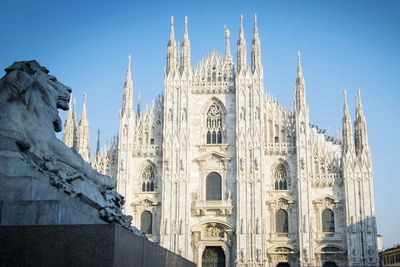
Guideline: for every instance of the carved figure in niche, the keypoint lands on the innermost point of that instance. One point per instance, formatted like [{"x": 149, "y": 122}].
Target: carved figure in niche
[
  {"x": 302, "y": 164},
  {"x": 302, "y": 127},
  {"x": 29, "y": 99},
  {"x": 228, "y": 195},
  {"x": 305, "y": 252},
  {"x": 242, "y": 254}
]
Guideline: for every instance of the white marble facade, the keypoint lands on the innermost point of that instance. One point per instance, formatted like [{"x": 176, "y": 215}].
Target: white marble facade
[{"x": 216, "y": 168}]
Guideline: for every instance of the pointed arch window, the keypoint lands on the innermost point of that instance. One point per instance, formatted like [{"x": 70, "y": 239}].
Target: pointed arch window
[
  {"x": 148, "y": 179},
  {"x": 213, "y": 186},
  {"x": 328, "y": 221},
  {"x": 282, "y": 221},
  {"x": 281, "y": 177},
  {"x": 214, "y": 125},
  {"x": 146, "y": 222}
]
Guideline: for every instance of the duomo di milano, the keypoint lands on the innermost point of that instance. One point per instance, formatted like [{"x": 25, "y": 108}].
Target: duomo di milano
[{"x": 219, "y": 172}]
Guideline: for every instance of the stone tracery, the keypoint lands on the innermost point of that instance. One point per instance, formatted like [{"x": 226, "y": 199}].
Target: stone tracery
[{"x": 214, "y": 124}]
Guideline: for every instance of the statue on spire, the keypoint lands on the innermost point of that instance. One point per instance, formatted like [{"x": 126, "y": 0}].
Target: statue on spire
[
  {"x": 227, "y": 32},
  {"x": 228, "y": 56}
]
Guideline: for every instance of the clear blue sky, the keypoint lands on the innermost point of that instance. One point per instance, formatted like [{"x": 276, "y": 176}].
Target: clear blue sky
[{"x": 344, "y": 44}]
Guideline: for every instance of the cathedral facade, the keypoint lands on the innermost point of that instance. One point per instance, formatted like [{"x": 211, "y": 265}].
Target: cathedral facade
[{"x": 219, "y": 172}]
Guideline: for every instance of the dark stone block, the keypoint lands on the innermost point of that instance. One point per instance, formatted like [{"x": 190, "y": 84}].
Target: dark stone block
[{"x": 81, "y": 245}]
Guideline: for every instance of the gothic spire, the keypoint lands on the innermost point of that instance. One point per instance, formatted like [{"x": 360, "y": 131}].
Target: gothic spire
[
  {"x": 171, "y": 49},
  {"x": 241, "y": 48},
  {"x": 139, "y": 104},
  {"x": 69, "y": 126},
  {"x": 255, "y": 48},
  {"x": 228, "y": 55},
  {"x": 84, "y": 119},
  {"x": 98, "y": 144},
  {"x": 241, "y": 32},
  {"x": 185, "y": 47},
  {"x": 75, "y": 126},
  {"x": 346, "y": 127},
  {"x": 300, "y": 78},
  {"x": 179, "y": 57},
  {"x": 185, "y": 31},
  {"x": 171, "y": 31},
  {"x": 83, "y": 132},
  {"x": 300, "y": 92},
  {"x": 128, "y": 91},
  {"x": 360, "y": 127}
]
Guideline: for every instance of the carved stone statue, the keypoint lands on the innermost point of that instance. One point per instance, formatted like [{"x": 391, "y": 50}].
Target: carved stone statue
[
  {"x": 29, "y": 99},
  {"x": 228, "y": 195},
  {"x": 242, "y": 254}
]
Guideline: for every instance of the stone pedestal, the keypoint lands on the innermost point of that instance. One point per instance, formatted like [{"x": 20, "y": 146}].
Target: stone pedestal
[
  {"x": 81, "y": 245},
  {"x": 27, "y": 200}
]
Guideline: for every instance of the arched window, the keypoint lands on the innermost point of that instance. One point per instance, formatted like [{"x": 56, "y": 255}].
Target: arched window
[
  {"x": 146, "y": 222},
  {"x": 208, "y": 137},
  {"x": 282, "y": 221},
  {"x": 214, "y": 124},
  {"x": 328, "y": 221},
  {"x": 148, "y": 179},
  {"x": 213, "y": 186},
  {"x": 280, "y": 177}
]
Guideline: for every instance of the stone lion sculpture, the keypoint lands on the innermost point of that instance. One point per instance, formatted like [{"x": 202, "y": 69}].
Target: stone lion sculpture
[{"x": 29, "y": 99}]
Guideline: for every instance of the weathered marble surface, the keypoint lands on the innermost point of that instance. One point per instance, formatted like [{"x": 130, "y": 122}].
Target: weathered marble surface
[{"x": 29, "y": 99}]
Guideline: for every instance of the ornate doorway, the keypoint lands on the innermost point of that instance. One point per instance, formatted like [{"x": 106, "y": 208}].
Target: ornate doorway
[
  {"x": 213, "y": 257},
  {"x": 283, "y": 264}
]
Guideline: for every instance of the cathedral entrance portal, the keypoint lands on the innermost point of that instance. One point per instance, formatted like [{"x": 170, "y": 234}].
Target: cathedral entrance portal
[
  {"x": 213, "y": 257},
  {"x": 211, "y": 243},
  {"x": 283, "y": 264}
]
